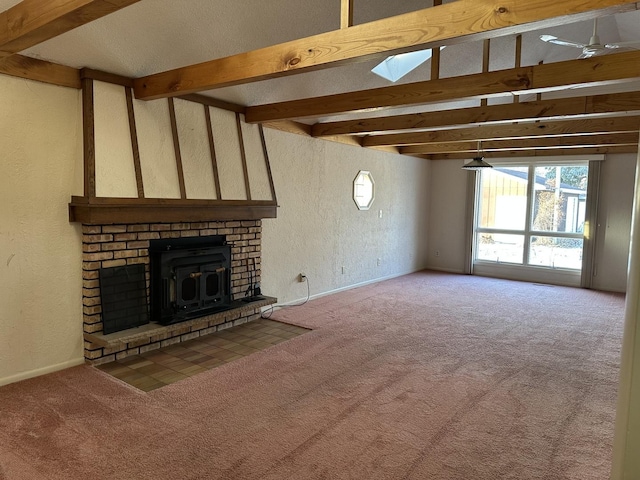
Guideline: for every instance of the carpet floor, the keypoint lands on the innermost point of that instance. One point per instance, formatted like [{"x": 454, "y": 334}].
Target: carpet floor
[{"x": 426, "y": 376}]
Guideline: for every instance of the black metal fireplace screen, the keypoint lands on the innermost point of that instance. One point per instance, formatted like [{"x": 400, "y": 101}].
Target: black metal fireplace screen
[
  {"x": 190, "y": 277},
  {"x": 123, "y": 292}
]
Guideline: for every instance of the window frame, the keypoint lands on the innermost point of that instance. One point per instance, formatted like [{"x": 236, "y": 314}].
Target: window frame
[{"x": 531, "y": 272}]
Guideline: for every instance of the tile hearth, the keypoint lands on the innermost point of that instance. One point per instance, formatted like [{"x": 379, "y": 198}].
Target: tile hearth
[{"x": 157, "y": 368}]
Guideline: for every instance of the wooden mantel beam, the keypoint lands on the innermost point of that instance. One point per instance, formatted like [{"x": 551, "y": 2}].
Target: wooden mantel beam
[
  {"x": 31, "y": 22},
  {"x": 559, "y": 128},
  {"x": 613, "y": 104},
  {"x": 455, "y": 22},
  {"x": 603, "y": 70}
]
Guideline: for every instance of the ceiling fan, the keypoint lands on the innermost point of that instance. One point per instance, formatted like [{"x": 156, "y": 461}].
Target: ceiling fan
[{"x": 594, "y": 47}]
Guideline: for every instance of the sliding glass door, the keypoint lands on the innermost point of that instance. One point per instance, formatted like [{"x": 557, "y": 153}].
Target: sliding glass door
[{"x": 530, "y": 221}]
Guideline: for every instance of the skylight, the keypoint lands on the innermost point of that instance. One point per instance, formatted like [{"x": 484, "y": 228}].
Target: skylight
[{"x": 395, "y": 67}]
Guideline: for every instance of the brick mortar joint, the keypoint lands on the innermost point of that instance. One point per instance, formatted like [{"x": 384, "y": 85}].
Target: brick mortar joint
[{"x": 105, "y": 235}]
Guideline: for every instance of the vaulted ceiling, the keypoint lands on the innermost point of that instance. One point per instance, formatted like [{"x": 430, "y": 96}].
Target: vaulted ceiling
[{"x": 304, "y": 66}]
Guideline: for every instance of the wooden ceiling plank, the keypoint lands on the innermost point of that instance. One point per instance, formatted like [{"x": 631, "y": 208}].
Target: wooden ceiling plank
[
  {"x": 602, "y": 70},
  {"x": 471, "y": 148},
  {"x": 553, "y": 152},
  {"x": 40, "y": 71},
  {"x": 455, "y": 22},
  {"x": 590, "y": 126},
  {"x": 31, "y": 22}
]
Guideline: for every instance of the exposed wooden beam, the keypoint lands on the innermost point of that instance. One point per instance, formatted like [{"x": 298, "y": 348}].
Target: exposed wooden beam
[
  {"x": 176, "y": 148},
  {"x": 603, "y": 70},
  {"x": 577, "y": 107},
  {"x": 303, "y": 129},
  {"x": 577, "y": 141},
  {"x": 106, "y": 77},
  {"x": 31, "y": 22},
  {"x": 135, "y": 149},
  {"x": 346, "y": 13},
  {"x": 435, "y": 53},
  {"x": 88, "y": 138},
  {"x": 435, "y": 63},
  {"x": 40, "y": 71},
  {"x": 213, "y": 102},
  {"x": 243, "y": 157},
  {"x": 593, "y": 126},
  {"x": 212, "y": 150},
  {"x": 267, "y": 164},
  {"x": 486, "y": 58},
  {"x": 518, "y": 60},
  {"x": 455, "y": 22},
  {"x": 291, "y": 127},
  {"x": 539, "y": 93},
  {"x": 553, "y": 152}
]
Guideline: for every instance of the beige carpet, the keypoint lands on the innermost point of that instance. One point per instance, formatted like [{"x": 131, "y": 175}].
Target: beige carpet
[{"x": 427, "y": 376}]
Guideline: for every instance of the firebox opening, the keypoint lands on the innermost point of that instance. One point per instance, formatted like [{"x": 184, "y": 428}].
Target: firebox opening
[{"x": 190, "y": 277}]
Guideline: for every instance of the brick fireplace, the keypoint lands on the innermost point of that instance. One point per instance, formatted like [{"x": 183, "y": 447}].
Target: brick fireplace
[
  {"x": 119, "y": 245},
  {"x": 118, "y": 226}
]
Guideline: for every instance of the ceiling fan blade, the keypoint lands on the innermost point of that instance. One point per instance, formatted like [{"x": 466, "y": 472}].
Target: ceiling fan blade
[
  {"x": 560, "y": 41},
  {"x": 631, "y": 44}
]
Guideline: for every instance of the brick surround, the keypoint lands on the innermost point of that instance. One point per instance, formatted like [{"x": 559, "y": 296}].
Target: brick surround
[{"x": 127, "y": 244}]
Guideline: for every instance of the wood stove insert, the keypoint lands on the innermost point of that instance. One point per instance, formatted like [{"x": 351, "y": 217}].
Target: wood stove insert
[{"x": 189, "y": 278}]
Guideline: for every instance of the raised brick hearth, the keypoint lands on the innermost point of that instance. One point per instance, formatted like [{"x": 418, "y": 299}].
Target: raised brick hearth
[{"x": 118, "y": 245}]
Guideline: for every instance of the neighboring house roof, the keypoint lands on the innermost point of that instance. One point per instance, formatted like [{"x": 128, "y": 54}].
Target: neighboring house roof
[{"x": 539, "y": 180}]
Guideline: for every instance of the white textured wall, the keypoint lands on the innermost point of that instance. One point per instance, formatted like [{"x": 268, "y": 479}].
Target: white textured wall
[
  {"x": 227, "y": 145},
  {"x": 319, "y": 228},
  {"x": 115, "y": 174},
  {"x": 195, "y": 150},
  {"x": 256, "y": 165},
  {"x": 448, "y": 194},
  {"x": 157, "y": 157},
  {"x": 40, "y": 251},
  {"x": 614, "y": 222}
]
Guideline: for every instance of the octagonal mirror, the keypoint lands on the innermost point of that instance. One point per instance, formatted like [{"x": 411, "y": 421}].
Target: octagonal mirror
[{"x": 363, "y": 190}]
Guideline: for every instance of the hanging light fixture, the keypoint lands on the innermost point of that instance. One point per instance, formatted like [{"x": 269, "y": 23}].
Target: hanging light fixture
[{"x": 477, "y": 163}]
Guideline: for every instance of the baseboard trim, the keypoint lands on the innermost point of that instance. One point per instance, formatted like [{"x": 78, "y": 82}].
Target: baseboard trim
[
  {"x": 342, "y": 289},
  {"x": 446, "y": 270},
  {"x": 41, "y": 371}
]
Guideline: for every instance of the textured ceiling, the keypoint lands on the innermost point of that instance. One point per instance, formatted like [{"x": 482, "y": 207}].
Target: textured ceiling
[{"x": 157, "y": 35}]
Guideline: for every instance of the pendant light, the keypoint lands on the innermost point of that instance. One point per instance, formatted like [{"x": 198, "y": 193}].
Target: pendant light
[{"x": 477, "y": 163}]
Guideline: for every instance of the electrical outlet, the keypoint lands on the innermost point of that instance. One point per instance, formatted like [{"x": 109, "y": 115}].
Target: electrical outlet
[
  {"x": 437, "y": 253},
  {"x": 301, "y": 277},
  {"x": 378, "y": 262}
]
